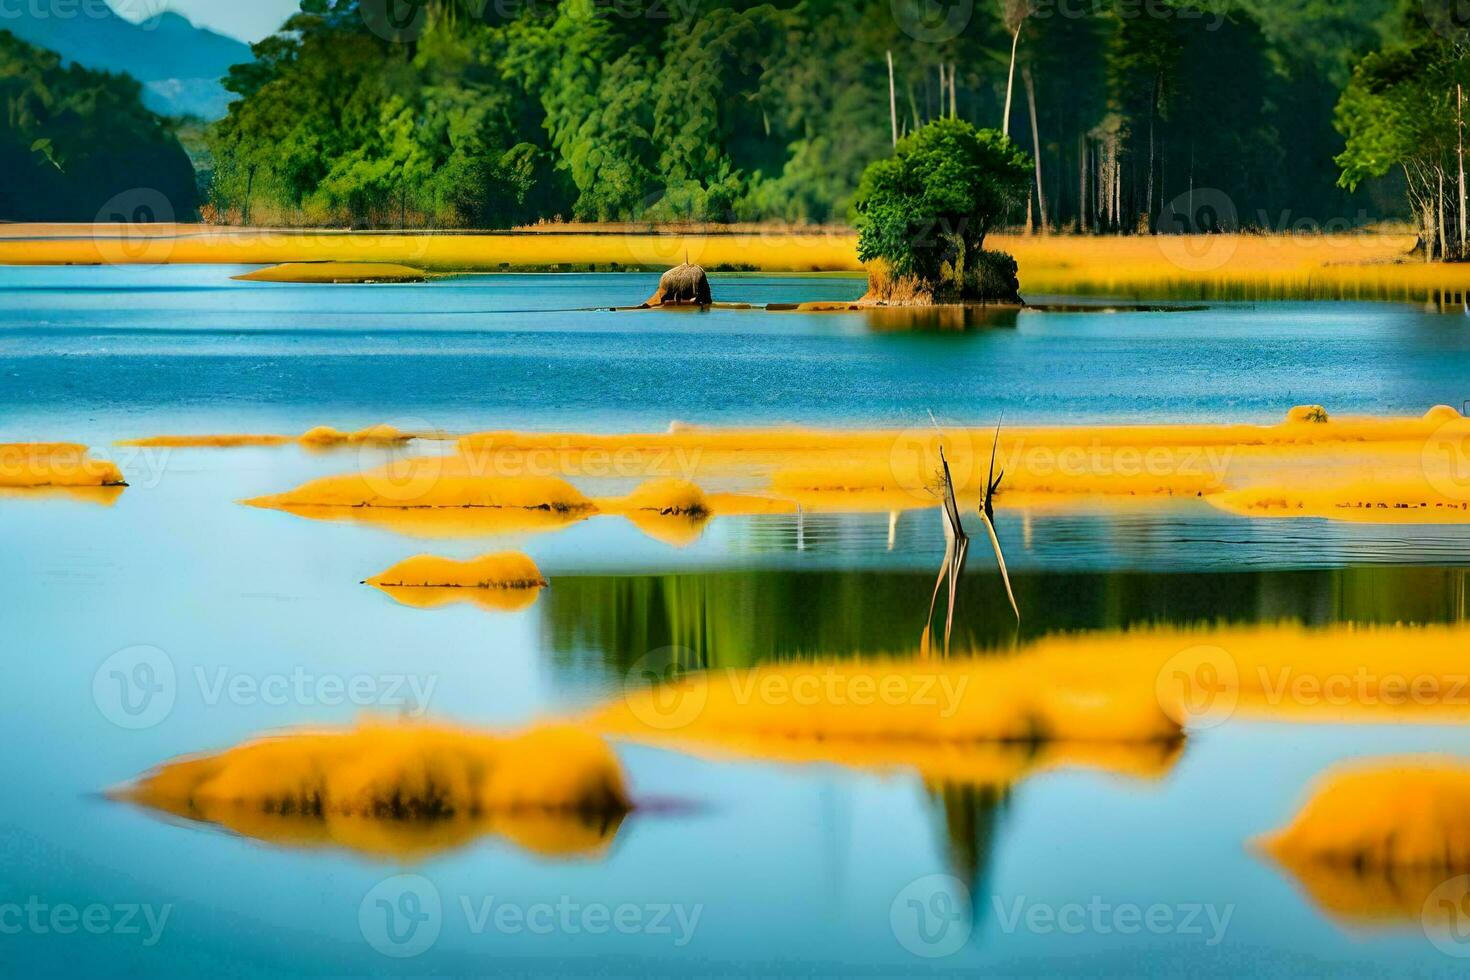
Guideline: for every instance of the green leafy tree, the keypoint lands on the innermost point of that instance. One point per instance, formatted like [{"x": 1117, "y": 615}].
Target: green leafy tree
[
  {"x": 72, "y": 140},
  {"x": 1402, "y": 111},
  {"x": 927, "y": 210}
]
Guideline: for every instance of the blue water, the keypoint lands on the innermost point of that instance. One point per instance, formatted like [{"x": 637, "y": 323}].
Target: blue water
[
  {"x": 102, "y": 353},
  {"x": 776, "y": 869}
]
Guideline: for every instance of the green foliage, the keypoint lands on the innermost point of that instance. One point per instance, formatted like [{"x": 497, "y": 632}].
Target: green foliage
[
  {"x": 71, "y": 140},
  {"x": 927, "y": 210},
  {"x": 1401, "y": 111},
  {"x": 733, "y": 109}
]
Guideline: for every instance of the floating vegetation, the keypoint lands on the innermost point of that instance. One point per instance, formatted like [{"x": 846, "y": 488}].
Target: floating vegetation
[
  {"x": 402, "y": 790},
  {"x": 1383, "y": 841},
  {"x": 326, "y": 273},
  {"x": 51, "y": 465},
  {"x": 1383, "y": 815},
  {"x": 321, "y": 437},
  {"x": 431, "y": 482},
  {"x": 507, "y": 582},
  {"x": 1417, "y": 465}
]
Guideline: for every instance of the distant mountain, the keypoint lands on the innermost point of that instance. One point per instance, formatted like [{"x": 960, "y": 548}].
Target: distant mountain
[{"x": 180, "y": 65}]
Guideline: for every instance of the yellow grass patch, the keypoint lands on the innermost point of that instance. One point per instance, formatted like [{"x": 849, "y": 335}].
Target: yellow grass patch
[
  {"x": 1383, "y": 814},
  {"x": 667, "y": 497},
  {"x": 1383, "y": 841},
  {"x": 507, "y": 582},
  {"x": 427, "y": 483},
  {"x": 1139, "y": 687},
  {"x": 335, "y": 272},
  {"x": 1405, "y": 469},
  {"x": 321, "y": 437},
  {"x": 391, "y": 772},
  {"x": 1339, "y": 266},
  {"x": 54, "y": 465},
  {"x": 238, "y": 441}
]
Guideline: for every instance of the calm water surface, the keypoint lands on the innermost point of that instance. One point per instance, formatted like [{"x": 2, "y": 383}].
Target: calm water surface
[{"x": 774, "y": 869}]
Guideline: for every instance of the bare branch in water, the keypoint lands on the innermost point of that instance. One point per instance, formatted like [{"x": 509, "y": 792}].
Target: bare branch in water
[
  {"x": 987, "y": 514},
  {"x": 956, "y": 551}
]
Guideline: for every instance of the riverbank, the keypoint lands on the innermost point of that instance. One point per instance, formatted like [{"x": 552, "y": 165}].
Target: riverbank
[{"x": 1363, "y": 265}]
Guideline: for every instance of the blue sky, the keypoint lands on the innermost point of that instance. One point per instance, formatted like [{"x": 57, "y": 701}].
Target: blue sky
[{"x": 249, "y": 20}]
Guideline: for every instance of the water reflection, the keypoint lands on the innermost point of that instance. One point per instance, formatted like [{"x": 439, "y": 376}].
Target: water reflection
[
  {"x": 607, "y": 624},
  {"x": 970, "y": 819},
  {"x": 562, "y": 836}
]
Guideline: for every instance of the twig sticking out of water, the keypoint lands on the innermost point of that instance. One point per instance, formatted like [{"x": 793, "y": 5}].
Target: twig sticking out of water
[
  {"x": 956, "y": 550},
  {"x": 987, "y": 514}
]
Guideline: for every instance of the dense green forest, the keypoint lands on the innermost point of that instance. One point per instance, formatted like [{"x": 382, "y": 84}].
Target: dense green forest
[
  {"x": 484, "y": 113},
  {"x": 73, "y": 140}
]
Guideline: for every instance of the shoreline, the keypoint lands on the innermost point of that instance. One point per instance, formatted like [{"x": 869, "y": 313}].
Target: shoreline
[{"x": 1352, "y": 266}]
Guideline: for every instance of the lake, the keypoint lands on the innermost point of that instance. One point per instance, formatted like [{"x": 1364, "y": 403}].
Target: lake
[{"x": 254, "y": 620}]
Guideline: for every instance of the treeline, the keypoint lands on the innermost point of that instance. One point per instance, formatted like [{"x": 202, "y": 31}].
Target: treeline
[
  {"x": 75, "y": 145},
  {"x": 1405, "y": 112},
  {"x": 1142, "y": 113}
]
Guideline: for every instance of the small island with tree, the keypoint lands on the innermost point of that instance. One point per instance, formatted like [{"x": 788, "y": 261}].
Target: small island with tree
[{"x": 923, "y": 215}]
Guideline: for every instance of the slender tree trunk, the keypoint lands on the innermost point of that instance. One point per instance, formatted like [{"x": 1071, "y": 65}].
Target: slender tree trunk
[
  {"x": 954, "y": 97},
  {"x": 1082, "y": 183},
  {"x": 1036, "y": 146},
  {"x": 1439, "y": 173},
  {"x": 1152, "y": 114},
  {"x": 1011, "y": 81},
  {"x": 1460, "y": 126},
  {"x": 892, "y": 99}
]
